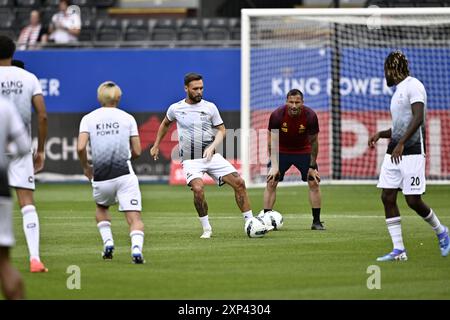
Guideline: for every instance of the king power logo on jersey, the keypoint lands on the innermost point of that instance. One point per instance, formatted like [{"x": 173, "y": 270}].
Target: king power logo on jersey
[
  {"x": 105, "y": 129},
  {"x": 11, "y": 87}
]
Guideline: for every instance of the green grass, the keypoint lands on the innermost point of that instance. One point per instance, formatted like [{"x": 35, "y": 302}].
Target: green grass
[{"x": 293, "y": 263}]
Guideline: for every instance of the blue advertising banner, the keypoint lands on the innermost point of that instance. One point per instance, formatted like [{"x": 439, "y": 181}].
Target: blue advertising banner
[
  {"x": 362, "y": 83},
  {"x": 151, "y": 80}
]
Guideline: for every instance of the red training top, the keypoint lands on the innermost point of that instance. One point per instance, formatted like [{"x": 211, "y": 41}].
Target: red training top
[{"x": 294, "y": 131}]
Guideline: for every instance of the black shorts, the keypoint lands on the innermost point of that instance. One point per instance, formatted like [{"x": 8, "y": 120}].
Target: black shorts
[
  {"x": 4, "y": 185},
  {"x": 300, "y": 161}
]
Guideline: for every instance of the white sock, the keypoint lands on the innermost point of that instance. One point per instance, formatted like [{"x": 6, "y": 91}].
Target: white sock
[
  {"x": 205, "y": 223},
  {"x": 31, "y": 230},
  {"x": 137, "y": 241},
  {"x": 105, "y": 231},
  {"x": 394, "y": 226},
  {"x": 247, "y": 215},
  {"x": 434, "y": 222}
]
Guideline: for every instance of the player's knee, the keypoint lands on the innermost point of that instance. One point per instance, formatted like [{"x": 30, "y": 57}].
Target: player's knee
[
  {"x": 414, "y": 202},
  {"x": 240, "y": 184},
  {"x": 313, "y": 187},
  {"x": 271, "y": 185},
  {"x": 388, "y": 198},
  {"x": 197, "y": 189}
]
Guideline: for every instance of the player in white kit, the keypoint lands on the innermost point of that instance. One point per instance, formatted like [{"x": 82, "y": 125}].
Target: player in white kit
[
  {"x": 404, "y": 163},
  {"x": 23, "y": 89},
  {"x": 114, "y": 139},
  {"x": 12, "y": 130},
  {"x": 200, "y": 131}
]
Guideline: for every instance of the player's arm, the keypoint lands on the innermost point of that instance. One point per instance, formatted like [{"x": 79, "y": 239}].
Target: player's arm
[
  {"x": 273, "y": 140},
  {"x": 385, "y": 134},
  {"x": 314, "y": 140},
  {"x": 417, "y": 119},
  {"x": 74, "y": 31},
  {"x": 135, "y": 144},
  {"x": 162, "y": 131},
  {"x": 39, "y": 107},
  {"x": 220, "y": 135},
  {"x": 83, "y": 139}
]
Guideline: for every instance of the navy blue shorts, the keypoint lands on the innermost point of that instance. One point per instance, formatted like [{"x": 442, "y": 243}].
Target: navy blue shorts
[{"x": 300, "y": 161}]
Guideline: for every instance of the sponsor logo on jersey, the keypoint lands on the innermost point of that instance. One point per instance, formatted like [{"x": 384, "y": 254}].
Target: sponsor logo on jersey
[
  {"x": 105, "y": 129},
  {"x": 9, "y": 87},
  {"x": 301, "y": 129}
]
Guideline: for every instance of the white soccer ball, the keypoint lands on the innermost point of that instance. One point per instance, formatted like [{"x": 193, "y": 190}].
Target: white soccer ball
[
  {"x": 255, "y": 227},
  {"x": 272, "y": 218}
]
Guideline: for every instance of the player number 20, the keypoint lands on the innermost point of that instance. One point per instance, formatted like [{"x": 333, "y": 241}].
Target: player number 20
[{"x": 415, "y": 181}]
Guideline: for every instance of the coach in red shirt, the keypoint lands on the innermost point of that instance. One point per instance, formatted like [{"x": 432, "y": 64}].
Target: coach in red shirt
[{"x": 293, "y": 130}]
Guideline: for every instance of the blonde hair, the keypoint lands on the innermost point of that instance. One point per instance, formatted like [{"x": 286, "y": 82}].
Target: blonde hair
[{"x": 109, "y": 93}]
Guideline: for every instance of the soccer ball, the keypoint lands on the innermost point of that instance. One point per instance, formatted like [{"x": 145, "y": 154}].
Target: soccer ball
[
  {"x": 272, "y": 218},
  {"x": 255, "y": 227}
]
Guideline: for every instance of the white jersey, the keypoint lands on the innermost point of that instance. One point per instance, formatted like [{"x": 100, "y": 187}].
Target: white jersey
[
  {"x": 19, "y": 86},
  {"x": 12, "y": 130},
  {"x": 62, "y": 22},
  {"x": 109, "y": 131},
  {"x": 409, "y": 91},
  {"x": 195, "y": 125}
]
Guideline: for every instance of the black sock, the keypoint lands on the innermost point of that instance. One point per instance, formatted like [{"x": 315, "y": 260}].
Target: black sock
[
  {"x": 316, "y": 215},
  {"x": 267, "y": 210}
]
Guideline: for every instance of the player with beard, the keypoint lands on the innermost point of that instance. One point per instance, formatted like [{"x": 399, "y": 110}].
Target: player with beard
[{"x": 200, "y": 131}]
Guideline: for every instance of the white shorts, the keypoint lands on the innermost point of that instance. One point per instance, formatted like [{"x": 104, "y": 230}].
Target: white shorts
[
  {"x": 21, "y": 172},
  {"x": 123, "y": 189},
  {"x": 217, "y": 168},
  {"x": 408, "y": 175},
  {"x": 6, "y": 223}
]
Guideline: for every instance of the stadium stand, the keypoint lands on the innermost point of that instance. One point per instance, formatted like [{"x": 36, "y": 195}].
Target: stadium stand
[{"x": 102, "y": 23}]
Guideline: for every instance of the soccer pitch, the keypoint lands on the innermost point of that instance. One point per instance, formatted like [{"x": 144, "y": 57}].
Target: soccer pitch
[{"x": 293, "y": 263}]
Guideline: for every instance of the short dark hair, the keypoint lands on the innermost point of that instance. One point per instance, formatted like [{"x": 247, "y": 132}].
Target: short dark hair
[
  {"x": 7, "y": 47},
  {"x": 294, "y": 92},
  {"x": 192, "y": 76},
  {"x": 18, "y": 63}
]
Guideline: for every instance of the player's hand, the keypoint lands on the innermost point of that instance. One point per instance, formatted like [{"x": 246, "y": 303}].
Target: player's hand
[
  {"x": 38, "y": 161},
  {"x": 373, "y": 139},
  {"x": 315, "y": 174},
  {"x": 273, "y": 175},
  {"x": 88, "y": 172},
  {"x": 154, "y": 152},
  {"x": 208, "y": 153},
  {"x": 396, "y": 155}
]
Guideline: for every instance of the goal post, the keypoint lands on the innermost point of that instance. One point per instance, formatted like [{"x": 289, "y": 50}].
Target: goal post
[{"x": 336, "y": 58}]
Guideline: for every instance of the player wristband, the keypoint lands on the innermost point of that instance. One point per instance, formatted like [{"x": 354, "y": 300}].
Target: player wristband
[{"x": 313, "y": 166}]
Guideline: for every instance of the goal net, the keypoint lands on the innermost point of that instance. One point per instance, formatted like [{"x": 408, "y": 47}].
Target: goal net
[{"x": 336, "y": 58}]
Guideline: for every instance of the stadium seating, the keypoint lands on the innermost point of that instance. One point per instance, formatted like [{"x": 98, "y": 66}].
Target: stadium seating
[
  {"x": 190, "y": 30},
  {"x": 109, "y": 30},
  {"x": 216, "y": 29},
  {"x": 136, "y": 30},
  {"x": 164, "y": 30},
  {"x": 99, "y": 26},
  {"x": 6, "y": 3},
  {"x": 28, "y": 3}
]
